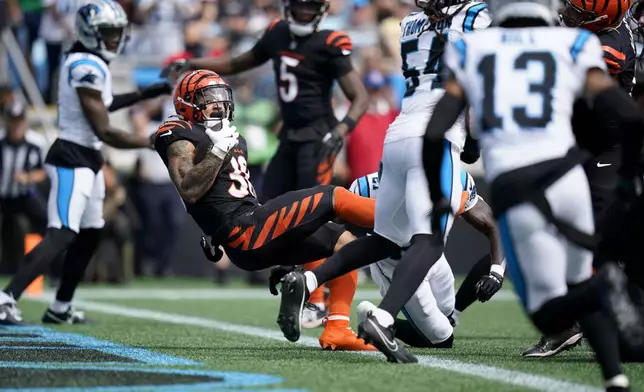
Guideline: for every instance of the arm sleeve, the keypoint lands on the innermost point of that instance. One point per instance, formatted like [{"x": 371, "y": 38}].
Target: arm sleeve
[
  {"x": 87, "y": 73},
  {"x": 339, "y": 46}
]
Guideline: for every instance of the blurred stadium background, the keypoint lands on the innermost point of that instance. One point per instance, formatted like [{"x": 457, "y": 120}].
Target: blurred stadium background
[{"x": 147, "y": 231}]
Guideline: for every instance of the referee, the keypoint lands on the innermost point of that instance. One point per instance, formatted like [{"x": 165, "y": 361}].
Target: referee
[{"x": 21, "y": 168}]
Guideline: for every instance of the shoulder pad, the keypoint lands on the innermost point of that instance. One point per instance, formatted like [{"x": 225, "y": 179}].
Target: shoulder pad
[{"x": 338, "y": 43}]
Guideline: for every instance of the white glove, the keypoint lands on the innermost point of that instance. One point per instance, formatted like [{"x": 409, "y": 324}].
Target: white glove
[{"x": 224, "y": 140}]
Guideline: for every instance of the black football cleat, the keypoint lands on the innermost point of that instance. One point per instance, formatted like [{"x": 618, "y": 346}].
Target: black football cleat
[
  {"x": 627, "y": 316},
  {"x": 294, "y": 295},
  {"x": 383, "y": 338},
  {"x": 10, "y": 314},
  {"x": 70, "y": 316},
  {"x": 552, "y": 345}
]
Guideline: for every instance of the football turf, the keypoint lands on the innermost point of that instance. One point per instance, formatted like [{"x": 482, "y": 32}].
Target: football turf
[{"x": 186, "y": 335}]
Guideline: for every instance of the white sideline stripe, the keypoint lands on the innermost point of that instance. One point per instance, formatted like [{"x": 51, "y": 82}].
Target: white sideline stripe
[
  {"x": 215, "y": 294},
  {"x": 512, "y": 377}
]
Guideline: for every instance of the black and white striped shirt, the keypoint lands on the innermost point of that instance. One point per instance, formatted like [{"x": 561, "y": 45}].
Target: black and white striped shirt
[{"x": 16, "y": 158}]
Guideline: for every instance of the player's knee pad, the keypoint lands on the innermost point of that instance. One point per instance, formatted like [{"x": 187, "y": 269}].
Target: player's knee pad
[{"x": 423, "y": 313}]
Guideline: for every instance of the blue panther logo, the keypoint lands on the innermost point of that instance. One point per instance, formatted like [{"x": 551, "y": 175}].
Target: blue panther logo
[{"x": 89, "y": 11}]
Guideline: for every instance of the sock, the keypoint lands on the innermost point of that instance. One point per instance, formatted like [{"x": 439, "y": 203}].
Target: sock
[
  {"x": 5, "y": 298},
  {"x": 619, "y": 381},
  {"x": 383, "y": 317},
  {"x": 342, "y": 290},
  {"x": 317, "y": 296},
  {"x": 77, "y": 259},
  {"x": 311, "y": 281},
  {"x": 410, "y": 272},
  {"x": 353, "y": 208},
  {"x": 60, "y": 306},
  {"x": 354, "y": 255},
  {"x": 408, "y": 334},
  {"x": 602, "y": 337},
  {"x": 466, "y": 294},
  {"x": 37, "y": 261},
  {"x": 456, "y": 315},
  {"x": 562, "y": 312}
]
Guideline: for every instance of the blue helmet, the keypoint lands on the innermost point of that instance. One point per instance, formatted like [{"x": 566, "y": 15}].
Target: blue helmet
[{"x": 102, "y": 27}]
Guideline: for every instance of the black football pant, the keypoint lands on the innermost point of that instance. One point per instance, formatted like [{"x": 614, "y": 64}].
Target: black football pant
[{"x": 291, "y": 229}]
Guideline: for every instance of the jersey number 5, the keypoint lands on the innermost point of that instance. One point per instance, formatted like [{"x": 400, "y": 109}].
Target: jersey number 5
[
  {"x": 288, "y": 86},
  {"x": 242, "y": 186},
  {"x": 487, "y": 69}
]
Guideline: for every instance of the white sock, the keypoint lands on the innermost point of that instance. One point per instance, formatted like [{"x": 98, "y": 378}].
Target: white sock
[
  {"x": 320, "y": 305},
  {"x": 620, "y": 381},
  {"x": 311, "y": 281},
  {"x": 60, "y": 306},
  {"x": 6, "y": 298},
  {"x": 383, "y": 317}
]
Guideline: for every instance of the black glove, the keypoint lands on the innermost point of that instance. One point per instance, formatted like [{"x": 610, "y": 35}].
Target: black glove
[
  {"x": 332, "y": 145},
  {"x": 488, "y": 285},
  {"x": 212, "y": 252},
  {"x": 175, "y": 69},
  {"x": 155, "y": 90},
  {"x": 439, "y": 209},
  {"x": 471, "y": 151},
  {"x": 277, "y": 274}
]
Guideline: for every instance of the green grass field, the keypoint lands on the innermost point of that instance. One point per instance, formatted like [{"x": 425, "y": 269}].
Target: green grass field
[{"x": 148, "y": 330}]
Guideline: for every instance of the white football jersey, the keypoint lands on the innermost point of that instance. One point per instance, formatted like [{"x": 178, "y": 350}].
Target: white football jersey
[
  {"x": 422, "y": 47},
  {"x": 367, "y": 186},
  {"x": 81, "y": 70},
  {"x": 521, "y": 84}
]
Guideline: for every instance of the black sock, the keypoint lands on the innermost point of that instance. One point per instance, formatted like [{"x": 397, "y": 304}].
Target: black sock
[
  {"x": 602, "y": 337},
  {"x": 357, "y": 254},
  {"x": 38, "y": 260},
  {"x": 410, "y": 272},
  {"x": 561, "y": 313},
  {"x": 76, "y": 261},
  {"x": 466, "y": 294},
  {"x": 406, "y": 332}
]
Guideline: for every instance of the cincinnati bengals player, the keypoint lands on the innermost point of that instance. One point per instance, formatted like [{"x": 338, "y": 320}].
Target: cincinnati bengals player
[
  {"x": 605, "y": 18},
  {"x": 207, "y": 161}
]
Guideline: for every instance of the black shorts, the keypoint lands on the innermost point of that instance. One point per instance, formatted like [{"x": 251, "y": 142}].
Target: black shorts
[{"x": 291, "y": 229}]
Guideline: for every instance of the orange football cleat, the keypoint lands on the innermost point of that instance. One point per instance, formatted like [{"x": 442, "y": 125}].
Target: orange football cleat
[{"x": 342, "y": 338}]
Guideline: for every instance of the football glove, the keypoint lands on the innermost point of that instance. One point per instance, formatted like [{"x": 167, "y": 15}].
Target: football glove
[
  {"x": 332, "y": 144},
  {"x": 212, "y": 252},
  {"x": 156, "y": 90},
  {"x": 488, "y": 285},
  {"x": 223, "y": 140},
  {"x": 277, "y": 274},
  {"x": 175, "y": 69},
  {"x": 471, "y": 151}
]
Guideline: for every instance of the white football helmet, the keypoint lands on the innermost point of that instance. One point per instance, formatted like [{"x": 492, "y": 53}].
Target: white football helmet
[
  {"x": 546, "y": 10},
  {"x": 102, "y": 27}
]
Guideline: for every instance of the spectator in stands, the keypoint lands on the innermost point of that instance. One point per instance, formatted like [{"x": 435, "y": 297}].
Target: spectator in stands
[
  {"x": 57, "y": 30},
  {"x": 160, "y": 207},
  {"x": 31, "y": 11},
  {"x": 364, "y": 146},
  {"x": 21, "y": 168}
]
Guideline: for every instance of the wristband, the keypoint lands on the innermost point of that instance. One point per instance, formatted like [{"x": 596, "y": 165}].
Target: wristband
[
  {"x": 349, "y": 122},
  {"x": 499, "y": 269}
]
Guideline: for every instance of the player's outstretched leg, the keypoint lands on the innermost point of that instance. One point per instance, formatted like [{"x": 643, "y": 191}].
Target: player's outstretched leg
[{"x": 550, "y": 345}]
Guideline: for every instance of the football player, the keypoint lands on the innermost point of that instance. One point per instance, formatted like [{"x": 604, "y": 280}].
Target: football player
[
  {"x": 605, "y": 18},
  {"x": 207, "y": 161},
  {"x": 403, "y": 205},
  {"x": 74, "y": 161},
  {"x": 432, "y": 311},
  {"x": 307, "y": 61},
  {"x": 533, "y": 165}
]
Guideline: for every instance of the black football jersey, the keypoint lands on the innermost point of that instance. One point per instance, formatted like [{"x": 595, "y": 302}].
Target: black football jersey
[
  {"x": 594, "y": 133},
  {"x": 231, "y": 194},
  {"x": 305, "y": 69}
]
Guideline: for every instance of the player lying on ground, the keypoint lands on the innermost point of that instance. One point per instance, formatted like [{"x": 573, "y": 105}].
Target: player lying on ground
[
  {"x": 430, "y": 313},
  {"x": 534, "y": 167},
  {"x": 74, "y": 161},
  {"x": 206, "y": 159}
]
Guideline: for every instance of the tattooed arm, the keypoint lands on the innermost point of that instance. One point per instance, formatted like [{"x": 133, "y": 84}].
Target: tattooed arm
[{"x": 192, "y": 181}]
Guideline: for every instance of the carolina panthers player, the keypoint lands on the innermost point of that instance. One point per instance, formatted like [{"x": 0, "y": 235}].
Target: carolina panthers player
[
  {"x": 431, "y": 312},
  {"x": 403, "y": 204},
  {"x": 521, "y": 80},
  {"x": 74, "y": 161}
]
